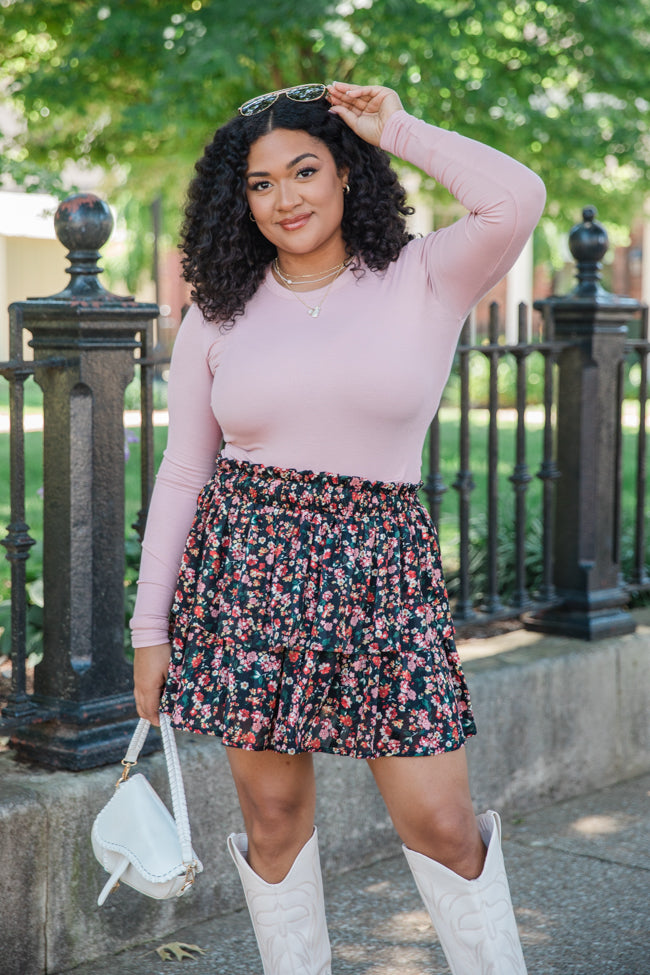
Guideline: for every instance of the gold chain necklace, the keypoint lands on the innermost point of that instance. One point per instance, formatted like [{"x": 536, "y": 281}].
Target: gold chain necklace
[
  {"x": 308, "y": 278},
  {"x": 314, "y": 310}
]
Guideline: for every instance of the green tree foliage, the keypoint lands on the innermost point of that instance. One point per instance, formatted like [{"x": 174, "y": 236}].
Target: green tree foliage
[{"x": 139, "y": 87}]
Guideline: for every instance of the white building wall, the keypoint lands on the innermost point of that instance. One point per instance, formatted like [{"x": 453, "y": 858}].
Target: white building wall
[
  {"x": 519, "y": 288},
  {"x": 32, "y": 261}
]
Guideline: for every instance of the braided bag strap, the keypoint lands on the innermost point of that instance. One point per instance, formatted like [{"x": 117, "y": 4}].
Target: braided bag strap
[
  {"x": 177, "y": 789},
  {"x": 137, "y": 741}
]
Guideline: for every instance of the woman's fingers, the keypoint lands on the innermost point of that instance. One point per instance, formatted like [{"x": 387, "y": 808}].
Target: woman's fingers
[
  {"x": 364, "y": 108},
  {"x": 356, "y": 98},
  {"x": 353, "y": 91},
  {"x": 150, "y": 668}
]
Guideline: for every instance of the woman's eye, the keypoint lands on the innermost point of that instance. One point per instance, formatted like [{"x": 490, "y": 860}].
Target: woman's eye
[
  {"x": 307, "y": 171},
  {"x": 263, "y": 184}
]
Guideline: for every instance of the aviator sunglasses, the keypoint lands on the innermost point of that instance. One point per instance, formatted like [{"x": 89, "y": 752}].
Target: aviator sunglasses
[{"x": 301, "y": 93}]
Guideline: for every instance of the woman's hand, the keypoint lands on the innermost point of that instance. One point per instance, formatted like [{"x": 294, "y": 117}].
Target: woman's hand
[
  {"x": 149, "y": 675},
  {"x": 366, "y": 109}
]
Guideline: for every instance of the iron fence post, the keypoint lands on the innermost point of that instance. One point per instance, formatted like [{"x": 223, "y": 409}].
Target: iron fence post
[
  {"x": 83, "y": 679},
  {"x": 591, "y": 326}
]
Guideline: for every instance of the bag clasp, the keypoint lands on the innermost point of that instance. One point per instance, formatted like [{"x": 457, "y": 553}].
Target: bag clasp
[
  {"x": 190, "y": 877},
  {"x": 125, "y": 772}
]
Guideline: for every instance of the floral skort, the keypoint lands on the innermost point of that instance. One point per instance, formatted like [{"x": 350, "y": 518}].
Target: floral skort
[{"x": 311, "y": 615}]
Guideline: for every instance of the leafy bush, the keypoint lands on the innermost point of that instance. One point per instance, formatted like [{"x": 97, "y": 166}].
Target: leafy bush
[
  {"x": 132, "y": 394},
  {"x": 479, "y": 381}
]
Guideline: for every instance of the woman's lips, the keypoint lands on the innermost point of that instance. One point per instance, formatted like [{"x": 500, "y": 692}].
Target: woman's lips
[{"x": 295, "y": 223}]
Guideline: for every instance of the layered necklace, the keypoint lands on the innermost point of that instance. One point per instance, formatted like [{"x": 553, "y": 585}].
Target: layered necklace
[{"x": 334, "y": 272}]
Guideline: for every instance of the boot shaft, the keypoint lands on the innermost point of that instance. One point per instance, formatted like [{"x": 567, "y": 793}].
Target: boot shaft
[
  {"x": 474, "y": 919},
  {"x": 288, "y": 917}
]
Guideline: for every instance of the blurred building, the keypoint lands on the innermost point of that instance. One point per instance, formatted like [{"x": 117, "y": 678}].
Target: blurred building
[{"x": 31, "y": 258}]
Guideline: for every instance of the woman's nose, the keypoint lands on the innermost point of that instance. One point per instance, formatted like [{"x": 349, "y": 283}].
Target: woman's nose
[{"x": 288, "y": 195}]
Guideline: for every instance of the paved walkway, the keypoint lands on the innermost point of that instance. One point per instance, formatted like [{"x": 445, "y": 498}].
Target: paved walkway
[
  {"x": 580, "y": 880},
  {"x": 534, "y": 416},
  {"x": 33, "y": 422}
]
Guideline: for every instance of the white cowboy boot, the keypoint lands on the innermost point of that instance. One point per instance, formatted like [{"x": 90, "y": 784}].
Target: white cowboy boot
[
  {"x": 474, "y": 919},
  {"x": 289, "y": 917}
]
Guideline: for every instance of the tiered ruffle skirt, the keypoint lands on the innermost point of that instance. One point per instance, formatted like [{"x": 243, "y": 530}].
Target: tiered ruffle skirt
[{"x": 311, "y": 615}]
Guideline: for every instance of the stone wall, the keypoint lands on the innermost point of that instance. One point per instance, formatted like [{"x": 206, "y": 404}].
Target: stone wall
[{"x": 556, "y": 717}]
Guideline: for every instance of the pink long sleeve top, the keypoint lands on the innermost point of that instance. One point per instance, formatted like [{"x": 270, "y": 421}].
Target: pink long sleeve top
[{"x": 352, "y": 391}]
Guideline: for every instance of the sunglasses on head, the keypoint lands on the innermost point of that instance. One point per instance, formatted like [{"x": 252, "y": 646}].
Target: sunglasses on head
[{"x": 301, "y": 93}]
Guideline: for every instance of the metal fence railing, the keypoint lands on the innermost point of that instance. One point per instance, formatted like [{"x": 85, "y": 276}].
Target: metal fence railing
[
  {"x": 493, "y": 597},
  {"x": 534, "y": 472}
]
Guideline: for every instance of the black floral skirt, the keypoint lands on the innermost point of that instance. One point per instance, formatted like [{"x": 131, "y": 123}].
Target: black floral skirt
[{"x": 311, "y": 615}]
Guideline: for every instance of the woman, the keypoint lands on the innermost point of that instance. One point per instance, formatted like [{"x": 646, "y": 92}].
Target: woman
[{"x": 310, "y": 613}]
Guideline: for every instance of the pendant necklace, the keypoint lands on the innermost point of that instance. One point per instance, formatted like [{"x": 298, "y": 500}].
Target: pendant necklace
[{"x": 312, "y": 310}]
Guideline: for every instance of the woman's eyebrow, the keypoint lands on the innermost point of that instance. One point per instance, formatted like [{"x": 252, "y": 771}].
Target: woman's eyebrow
[
  {"x": 294, "y": 162},
  {"x": 305, "y": 155}
]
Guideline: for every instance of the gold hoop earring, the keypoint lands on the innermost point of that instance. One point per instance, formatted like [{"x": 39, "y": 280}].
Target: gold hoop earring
[
  {"x": 251, "y": 217},
  {"x": 346, "y": 188}
]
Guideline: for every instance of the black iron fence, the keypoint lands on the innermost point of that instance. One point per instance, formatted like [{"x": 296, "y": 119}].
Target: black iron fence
[
  {"x": 500, "y": 545},
  {"x": 544, "y": 521},
  {"x": 497, "y": 584}
]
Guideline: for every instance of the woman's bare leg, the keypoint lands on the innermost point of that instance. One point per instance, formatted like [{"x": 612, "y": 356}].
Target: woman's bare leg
[
  {"x": 429, "y": 802},
  {"x": 277, "y": 795}
]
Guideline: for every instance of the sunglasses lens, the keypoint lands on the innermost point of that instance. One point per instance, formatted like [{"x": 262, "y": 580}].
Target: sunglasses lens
[
  {"x": 259, "y": 104},
  {"x": 305, "y": 93},
  {"x": 301, "y": 93}
]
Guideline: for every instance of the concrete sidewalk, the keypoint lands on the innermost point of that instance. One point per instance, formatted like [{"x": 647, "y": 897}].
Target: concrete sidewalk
[
  {"x": 557, "y": 718},
  {"x": 580, "y": 880}
]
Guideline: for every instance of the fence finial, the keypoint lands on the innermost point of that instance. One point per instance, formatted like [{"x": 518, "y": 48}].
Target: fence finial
[
  {"x": 588, "y": 242},
  {"x": 83, "y": 223}
]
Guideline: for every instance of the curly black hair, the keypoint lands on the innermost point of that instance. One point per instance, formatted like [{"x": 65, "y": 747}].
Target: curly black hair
[{"x": 225, "y": 255}]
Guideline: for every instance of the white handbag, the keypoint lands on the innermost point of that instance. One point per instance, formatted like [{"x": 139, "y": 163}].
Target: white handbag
[{"x": 135, "y": 837}]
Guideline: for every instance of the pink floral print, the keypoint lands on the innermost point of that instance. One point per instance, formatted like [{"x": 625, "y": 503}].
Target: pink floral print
[{"x": 311, "y": 614}]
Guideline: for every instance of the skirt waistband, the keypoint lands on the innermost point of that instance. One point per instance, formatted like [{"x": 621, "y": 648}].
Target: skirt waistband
[{"x": 317, "y": 490}]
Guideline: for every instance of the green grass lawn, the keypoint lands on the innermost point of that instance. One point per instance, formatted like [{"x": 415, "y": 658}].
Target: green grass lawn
[
  {"x": 449, "y": 454},
  {"x": 34, "y": 488},
  {"x": 448, "y": 526},
  {"x": 449, "y": 462}
]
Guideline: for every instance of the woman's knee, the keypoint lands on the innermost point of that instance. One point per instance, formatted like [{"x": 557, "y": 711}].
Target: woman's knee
[
  {"x": 278, "y": 826},
  {"x": 277, "y": 796},
  {"x": 272, "y": 815},
  {"x": 448, "y": 825},
  {"x": 449, "y": 834}
]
